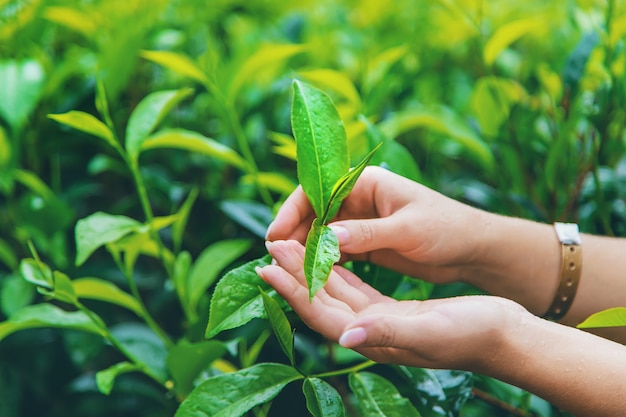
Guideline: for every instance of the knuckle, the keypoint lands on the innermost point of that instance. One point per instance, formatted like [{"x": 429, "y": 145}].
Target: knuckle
[{"x": 366, "y": 232}]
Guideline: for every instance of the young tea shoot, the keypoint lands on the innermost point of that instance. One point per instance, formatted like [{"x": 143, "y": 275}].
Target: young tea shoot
[{"x": 323, "y": 165}]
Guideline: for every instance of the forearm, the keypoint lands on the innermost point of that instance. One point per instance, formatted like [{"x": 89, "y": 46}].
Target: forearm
[
  {"x": 572, "y": 369},
  {"x": 521, "y": 260}
]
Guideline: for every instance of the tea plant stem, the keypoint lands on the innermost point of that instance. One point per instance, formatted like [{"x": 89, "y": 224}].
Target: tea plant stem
[
  {"x": 355, "y": 368},
  {"x": 232, "y": 119},
  {"x": 145, "y": 314},
  {"x": 106, "y": 333}
]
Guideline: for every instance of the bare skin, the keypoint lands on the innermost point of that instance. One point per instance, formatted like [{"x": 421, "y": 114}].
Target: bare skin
[{"x": 417, "y": 231}]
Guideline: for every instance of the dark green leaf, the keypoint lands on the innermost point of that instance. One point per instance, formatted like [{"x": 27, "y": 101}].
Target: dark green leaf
[
  {"x": 280, "y": 325},
  {"x": 148, "y": 114},
  {"x": 99, "y": 229},
  {"x": 15, "y": 293},
  {"x": 321, "y": 253},
  {"x": 209, "y": 264},
  {"x": 47, "y": 315},
  {"x": 143, "y": 346},
  {"x": 186, "y": 361},
  {"x": 252, "y": 215},
  {"x": 236, "y": 299},
  {"x": 106, "y": 378},
  {"x": 101, "y": 290},
  {"x": 232, "y": 395},
  {"x": 379, "y": 397},
  {"x": 392, "y": 155},
  {"x": 322, "y": 400},
  {"x": 322, "y": 148},
  {"x": 344, "y": 185}
]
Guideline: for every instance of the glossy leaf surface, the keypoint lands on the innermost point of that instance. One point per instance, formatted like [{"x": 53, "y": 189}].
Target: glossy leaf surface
[
  {"x": 321, "y": 253},
  {"x": 280, "y": 325},
  {"x": 99, "y": 229},
  {"x": 232, "y": 395},
  {"x": 322, "y": 400},
  {"x": 47, "y": 315},
  {"x": 236, "y": 299},
  {"x": 102, "y": 290},
  {"x": 106, "y": 378},
  {"x": 321, "y": 143},
  {"x": 148, "y": 114},
  {"x": 377, "y": 396},
  {"x": 612, "y": 317},
  {"x": 209, "y": 264}
]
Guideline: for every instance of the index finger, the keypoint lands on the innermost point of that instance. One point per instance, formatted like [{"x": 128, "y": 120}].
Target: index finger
[{"x": 293, "y": 219}]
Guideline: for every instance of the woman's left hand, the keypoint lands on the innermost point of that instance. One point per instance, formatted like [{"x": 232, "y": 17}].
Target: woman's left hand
[{"x": 455, "y": 333}]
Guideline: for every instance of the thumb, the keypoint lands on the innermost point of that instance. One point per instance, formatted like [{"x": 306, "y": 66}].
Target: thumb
[
  {"x": 380, "y": 331},
  {"x": 366, "y": 235}
]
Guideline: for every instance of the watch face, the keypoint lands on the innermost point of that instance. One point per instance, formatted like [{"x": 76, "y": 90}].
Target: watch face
[{"x": 568, "y": 233}]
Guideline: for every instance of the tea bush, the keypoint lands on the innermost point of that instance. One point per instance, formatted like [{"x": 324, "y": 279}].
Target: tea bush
[{"x": 146, "y": 145}]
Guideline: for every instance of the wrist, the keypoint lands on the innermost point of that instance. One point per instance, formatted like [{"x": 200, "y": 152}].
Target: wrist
[{"x": 517, "y": 259}]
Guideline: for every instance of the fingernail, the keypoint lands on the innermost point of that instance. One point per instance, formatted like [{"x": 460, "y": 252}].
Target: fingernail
[
  {"x": 341, "y": 233},
  {"x": 268, "y": 245},
  {"x": 353, "y": 337},
  {"x": 267, "y": 232},
  {"x": 259, "y": 272}
]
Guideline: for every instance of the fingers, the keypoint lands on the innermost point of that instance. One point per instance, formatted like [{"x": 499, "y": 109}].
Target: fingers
[
  {"x": 293, "y": 219},
  {"x": 367, "y": 235},
  {"x": 290, "y": 256}
]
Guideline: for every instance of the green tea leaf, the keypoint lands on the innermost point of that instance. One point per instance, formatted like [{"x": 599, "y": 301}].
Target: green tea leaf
[
  {"x": 322, "y": 400},
  {"x": 345, "y": 184},
  {"x": 329, "y": 79},
  {"x": 144, "y": 347},
  {"x": 612, "y": 317},
  {"x": 391, "y": 155},
  {"x": 280, "y": 325},
  {"x": 442, "y": 120},
  {"x": 379, "y": 397},
  {"x": 196, "y": 143},
  {"x": 87, "y": 123},
  {"x": 47, "y": 315},
  {"x": 176, "y": 62},
  {"x": 21, "y": 87},
  {"x": 99, "y": 229},
  {"x": 321, "y": 253},
  {"x": 268, "y": 56},
  {"x": 37, "y": 273},
  {"x": 148, "y": 114},
  {"x": 236, "y": 299},
  {"x": 232, "y": 395},
  {"x": 505, "y": 35},
  {"x": 101, "y": 290},
  {"x": 106, "y": 378},
  {"x": 15, "y": 293},
  {"x": 209, "y": 264},
  {"x": 186, "y": 361},
  {"x": 6, "y": 151},
  {"x": 322, "y": 148},
  {"x": 178, "y": 227}
]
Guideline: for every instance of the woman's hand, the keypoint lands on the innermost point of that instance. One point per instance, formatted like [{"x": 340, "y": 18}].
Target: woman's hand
[
  {"x": 396, "y": 223},
  {"x": 452, "y": 333}
]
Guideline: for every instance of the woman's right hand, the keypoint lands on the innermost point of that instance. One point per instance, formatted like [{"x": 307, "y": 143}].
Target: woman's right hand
[{"x": 396, "y": 223}]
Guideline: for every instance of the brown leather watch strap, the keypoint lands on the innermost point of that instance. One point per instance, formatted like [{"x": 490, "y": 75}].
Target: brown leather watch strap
[{"x": 571, "y": 267}]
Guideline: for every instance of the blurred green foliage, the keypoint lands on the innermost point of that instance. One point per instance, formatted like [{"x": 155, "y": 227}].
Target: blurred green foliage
[{"x": 182, "y": 152}]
